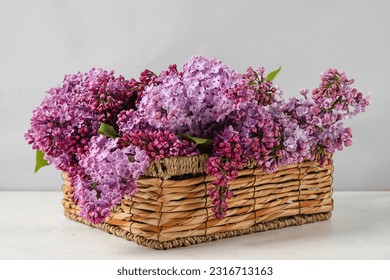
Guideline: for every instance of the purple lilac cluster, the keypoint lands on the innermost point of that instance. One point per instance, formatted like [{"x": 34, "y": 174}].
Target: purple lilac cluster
[
  {"x": 245, "y": 115},
  {"x": 110, "y": 173},
  {"x": 195, "y": 101},
  {"x": 63, "y": 124},
  {"x": 108, "y": 95},
  {"x": 334, "y": 100},
  {"x": 319, "y": 117},
  {"x": 159, "y": 144},
  {"x": 264, "y": 91},
  {"x": 70, "y": 115},
  {"x": 67, "y": 120},
  {"x": 228, "y": 157}
]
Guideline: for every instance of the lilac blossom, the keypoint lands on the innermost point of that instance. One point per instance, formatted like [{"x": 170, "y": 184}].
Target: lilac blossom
[
  {"x": 63, "y": 124},
  {"x": 228, "y": 157},
  {"x": 107, "y": 95},
  {"x": 111, "y": 173},
  {"x": 264, "y": 91},
  {"x": 195, "y": 101},
  {"x": 159, "y": 144},
  {"x": 244, "y": 114}
]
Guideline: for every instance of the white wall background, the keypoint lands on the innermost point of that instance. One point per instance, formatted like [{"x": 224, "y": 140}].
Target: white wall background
[{"x": 42, "y": 40}]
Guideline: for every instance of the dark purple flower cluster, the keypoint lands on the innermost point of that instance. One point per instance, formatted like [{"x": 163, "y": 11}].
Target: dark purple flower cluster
[
  {"x": 228, "y": 157},
  {"x": 108, "y": 95},
  {"x": 63, "y": 124},
  {"x": 264, "y": 91},
  {"x": 159, "y": 144},
  {"x": 146, "y": 78},
  {"x": 244, "y": 115}
]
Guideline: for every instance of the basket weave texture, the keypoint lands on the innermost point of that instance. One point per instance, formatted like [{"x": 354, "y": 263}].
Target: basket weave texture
[{"x": 172, "y": 208}]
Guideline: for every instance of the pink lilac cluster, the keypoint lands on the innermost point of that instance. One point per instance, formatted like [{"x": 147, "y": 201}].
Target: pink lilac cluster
[
  {"x": 110, "y": 173},
  {"x": 70, "y": 115},
  {"x": 245, "y": 115},
  {"x": 63, "y": 124},
  {"x": 253, "y": 136},
  {"x": 146, "y": 78},
  {"x": 159, "y": 144},
  {"x": 108, "y": 95},
  {"x": 334, "y": 100},
  {"x": 320, "y": 116},
  {"x": 228, "y": 157},
  {"x": 265, "y": 92}
]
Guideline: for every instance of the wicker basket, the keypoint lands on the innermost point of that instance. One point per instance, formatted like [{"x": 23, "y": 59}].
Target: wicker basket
[{"x": 172, "y": 208}]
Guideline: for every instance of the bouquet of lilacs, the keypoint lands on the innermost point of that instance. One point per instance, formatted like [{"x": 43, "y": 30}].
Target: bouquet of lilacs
[{"x": 104, "y": 130}]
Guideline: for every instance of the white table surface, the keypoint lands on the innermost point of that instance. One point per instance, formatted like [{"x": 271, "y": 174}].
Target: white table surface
[{"x": 32, "y": 226}]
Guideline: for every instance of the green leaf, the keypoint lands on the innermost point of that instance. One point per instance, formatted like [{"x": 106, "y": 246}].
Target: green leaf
[
  {"x": 40, "y": 161},
  {"x": 197, "y": 140},
  {"x": 107, "y": 130},
  {"x": 273, "y": 74}
]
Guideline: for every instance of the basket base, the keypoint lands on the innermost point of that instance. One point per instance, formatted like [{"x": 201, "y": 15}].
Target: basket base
[{"x": 187, "y": 241}]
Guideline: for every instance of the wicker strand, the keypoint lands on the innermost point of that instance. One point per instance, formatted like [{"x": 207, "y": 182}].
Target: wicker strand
[
  {"x": 205, "y": 206},
  {"x": 159, "y": 220},
  {"x": 253, "y": 195},
  {"x": 299, "y": 188}
]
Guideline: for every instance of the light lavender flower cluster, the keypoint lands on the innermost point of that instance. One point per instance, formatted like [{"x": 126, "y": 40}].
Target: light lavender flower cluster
[
  {"x": 194, "y": 101},
  {"x": 110, "y": 173},
  {"x": 244, "y": 115}
]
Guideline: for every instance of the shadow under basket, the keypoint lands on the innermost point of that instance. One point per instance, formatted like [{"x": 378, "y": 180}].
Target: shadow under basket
[{"x": 172, "y": 208}]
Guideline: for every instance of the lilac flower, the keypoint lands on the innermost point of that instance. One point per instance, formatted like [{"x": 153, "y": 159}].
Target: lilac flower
[
  {"x": 264, "y": 91},
  {"x": 227, "y": 159},
  {"x": 70, "y": 115},
  {"x": 207, "y": 83},
  {"x": 108, "y": 95},
  {"x": 195, "y": 101},
  {"x": 244, "y": 114},
  {"x": 336, "y": 97},
  {"x": 110, "y": 174},
  {"x": 159, "y": 144},
  {"x": 63, "y": 124}
]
